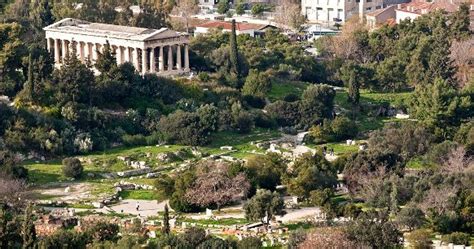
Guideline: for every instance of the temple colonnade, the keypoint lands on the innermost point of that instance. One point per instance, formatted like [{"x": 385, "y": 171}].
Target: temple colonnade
[{"x": 161, "y": 58}]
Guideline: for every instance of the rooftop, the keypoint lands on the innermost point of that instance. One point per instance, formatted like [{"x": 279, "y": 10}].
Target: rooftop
[
  {"x": 422, "y": 7},
  {"x": 228, "y": 25},
  {"x": 70, "y": 25}
]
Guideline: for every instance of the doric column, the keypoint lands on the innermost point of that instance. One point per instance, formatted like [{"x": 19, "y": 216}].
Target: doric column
[
  {"x": 186, "y": 57},
  {"x": 152, "y": 61},
  {"x": 170, "y": 57},
  {"x": 126, "y": 54},
  {"x": 135, "y": 59},
  {"x": 86, "y": 51},
  {"x": 161, "y": 60},
  {"x": 48, "y": 44},
  {"x": 144, "y": 61},
  {"x": 57, "y": 57},
  {"x": 94, "y": 52},
  {"x": 65, "y": 52},
  {"x": 118, "y": 54},
  {"x": 80, "y": 54},
  {"x": 178, "y": 57}
]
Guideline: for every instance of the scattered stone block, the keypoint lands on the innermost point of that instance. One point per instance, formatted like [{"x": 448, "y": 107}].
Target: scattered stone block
[{"x": 226, "y": 148}]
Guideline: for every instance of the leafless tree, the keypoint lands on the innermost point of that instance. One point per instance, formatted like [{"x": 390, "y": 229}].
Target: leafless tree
[
  {"x": 11, "y": 189},
  {"x": 438, "y": 200},
  {"x": 214, "y": 186},
  {"x": 458, "y": 161},
  {"x": 345, "y": 45},
  {"x": 371, "y": 183},
  {"x": 462, "y": 54},
  {"x": 185, "y": 9},
  {"x": 327, "y": 237},
  {"x": 289, "y": 14}
]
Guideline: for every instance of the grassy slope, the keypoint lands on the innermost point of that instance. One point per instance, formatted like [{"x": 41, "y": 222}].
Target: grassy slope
[{"x": 282, "y": 88}]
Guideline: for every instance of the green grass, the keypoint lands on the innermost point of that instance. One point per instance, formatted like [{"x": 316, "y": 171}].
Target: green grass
[
  {"x": 395, "y": 99},
  {"x": 240, "y": 142},
  {"x": 140, "y": 195},
  {"x": 41, "y": 173},
  {"x": 282, "y": 88},
  {"x": 340, "y": 148},
  {"x": 419, "y": 163},
  {"x": 340, "y": 198}
]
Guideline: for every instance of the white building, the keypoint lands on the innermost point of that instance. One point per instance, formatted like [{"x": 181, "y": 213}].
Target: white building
[
  {"x": 240, "y": 28},
  {"x": 332, "y": 11},
  {"x": 161, "y": 51}
]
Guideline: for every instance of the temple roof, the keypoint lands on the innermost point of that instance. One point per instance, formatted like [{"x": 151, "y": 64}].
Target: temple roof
[{"x": 70, "y": 25}]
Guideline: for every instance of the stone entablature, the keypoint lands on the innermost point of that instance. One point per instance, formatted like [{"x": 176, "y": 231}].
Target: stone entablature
[{"x": 160, "y": 51}]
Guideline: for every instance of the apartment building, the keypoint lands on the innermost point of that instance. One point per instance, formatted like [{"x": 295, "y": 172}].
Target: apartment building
[{"x": 331, "y": 11}]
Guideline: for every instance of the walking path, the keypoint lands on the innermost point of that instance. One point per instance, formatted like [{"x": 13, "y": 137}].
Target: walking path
[{"x": 146, "y": 208}]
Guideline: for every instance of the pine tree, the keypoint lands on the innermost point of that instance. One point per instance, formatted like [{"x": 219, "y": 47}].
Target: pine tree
[
  {"x": 460, "y": 22},
  {"x": 28, "y": 229},
  {"x": 234, "y": 53},
  {"x": 106, "y": 60},
  {"x": 166, "y": 221},
  {"x": 40, "y": 13}
]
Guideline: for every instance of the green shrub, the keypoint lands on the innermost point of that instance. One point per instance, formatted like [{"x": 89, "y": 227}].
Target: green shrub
[
  {"x": 457, "y": 238},
  {"x": 420, "y": 239},
  {"x": 134, "y": 140},
  {"x": 72, "y": 167}
]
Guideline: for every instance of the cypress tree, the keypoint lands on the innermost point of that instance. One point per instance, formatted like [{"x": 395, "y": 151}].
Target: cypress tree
[
  {"x": 30, "y": 83},
  {"x": 234, "y": 53},
  {"x": 353, "y": 86},
  {"x": 166, "y": 221},
  {"x": 394, "y": 197},
  {"x": 28, "y": 229},
  {"x": 3, "y": 228}
]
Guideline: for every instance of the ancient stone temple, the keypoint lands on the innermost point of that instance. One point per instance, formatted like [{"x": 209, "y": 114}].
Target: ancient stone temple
[{"x": 160, "y": 51}]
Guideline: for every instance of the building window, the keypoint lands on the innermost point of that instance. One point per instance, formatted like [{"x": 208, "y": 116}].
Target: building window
[
  {"x": 368, "y": 9},
  {"x": 369, "y": 1},
  {"x": 378, "y": 7}
]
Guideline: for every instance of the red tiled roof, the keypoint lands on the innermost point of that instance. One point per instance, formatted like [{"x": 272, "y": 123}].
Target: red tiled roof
[
  {"x": 228, "y": 26},
  {"x": 422, "y": 7}
]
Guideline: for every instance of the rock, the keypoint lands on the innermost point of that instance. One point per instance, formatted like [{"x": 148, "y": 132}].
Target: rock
[
  {"x": 226, "y": 148},
  {"x": 402, "y": 116},
  {"x": 123, "y": 158},
  {"x": 67, "y": 190},
  {"x": 263, "y": 145},
  {"x": 98, "y": 204}
]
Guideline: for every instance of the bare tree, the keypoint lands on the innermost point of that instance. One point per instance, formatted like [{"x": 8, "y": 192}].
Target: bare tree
[
  {"x": 289, "y": 14},
  {"x": 371, "y": 184},
  {"x": 327, "y": 237},
  {"x": 214, "y": 186},
  {"x": 462, "y": 54},
  {"x": 345, "y": 45},
  {"x": 458, "y": 161},
  {"x": 438, "y": 200},
  {"x": 185, "y": 9},
  {"x": 11, "y": 189}
]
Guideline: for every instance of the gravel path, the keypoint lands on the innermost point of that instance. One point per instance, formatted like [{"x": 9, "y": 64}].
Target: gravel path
[{"x": 146, "y": 208}]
